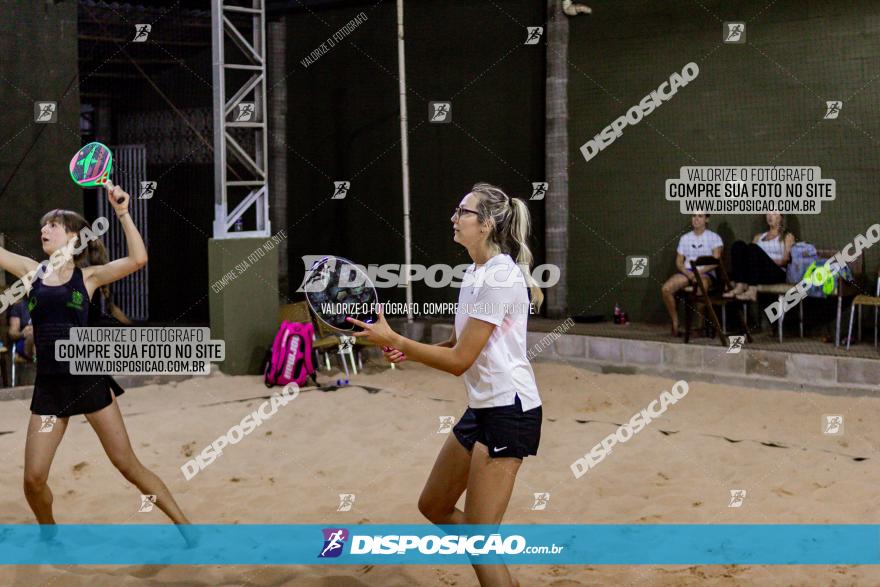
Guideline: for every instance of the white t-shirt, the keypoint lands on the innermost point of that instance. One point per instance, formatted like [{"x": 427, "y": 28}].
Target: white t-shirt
[
  {"x": 775, "y": 248},
  {"x": 692, "y": 246},
  {"x": 497, "y": 293}
]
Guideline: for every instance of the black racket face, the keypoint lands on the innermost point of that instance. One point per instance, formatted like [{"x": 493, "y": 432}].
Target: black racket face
[{"x": 337, "y": 288}]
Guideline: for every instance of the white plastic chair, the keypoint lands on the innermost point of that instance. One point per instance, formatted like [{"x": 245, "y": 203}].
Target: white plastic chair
[{"x": 864, "y": 300}]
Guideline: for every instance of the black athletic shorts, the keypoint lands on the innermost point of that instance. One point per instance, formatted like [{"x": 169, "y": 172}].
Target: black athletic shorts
[
  {"x": 713, "y": 280},
  {"x": 507, "y": 431}
]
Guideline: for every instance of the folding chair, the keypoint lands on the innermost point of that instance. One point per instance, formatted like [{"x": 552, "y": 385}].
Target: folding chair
[
  {"x": 327, "y": 339},
  {"x": 8, "y": 348},
  {"x": 864, "y": 300},
  {"x": 13, "y": 354},
  {"x": 10, "y": 352},
  {"x": 4, "y": 349},
  {"x": 343, "y": 349},
  {"x": 712, "y": 297},
  {"x": 4, "y": 356},
  {"x": 842, "y": 289},
  {"x": 779, "y": 290},
  {"x": 690, "y": 297}
]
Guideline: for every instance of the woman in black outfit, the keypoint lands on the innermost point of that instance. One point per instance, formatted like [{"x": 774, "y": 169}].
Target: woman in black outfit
[
  {"x": 762, "y": 261},
  {"x": 59, "y": 301}
]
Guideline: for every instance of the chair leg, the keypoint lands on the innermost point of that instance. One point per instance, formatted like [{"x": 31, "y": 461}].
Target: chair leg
[
  {"x": 801, "y": 315},
  {"x": 350, "y": 354},
  {"x": 709, "y": 313},
  {"x": 360, "y": 361},
  {"x": 327, "y": 360},
  {"x": 687, "y": 321},
  {"x": 860, "y": 323},
  {"x": 724, "y": 318},
  {"x": 14, "y": 368},
  {"x": 852, "y": 313},
  {"x": 837, "y": 329},
  {"x": 343, "y": 362},
  {"x": 744, "y": 322},
  {"x": 722, "y": 334},
  {"x": 875, "y": 326},
  {"x": 781, "y": 318}
]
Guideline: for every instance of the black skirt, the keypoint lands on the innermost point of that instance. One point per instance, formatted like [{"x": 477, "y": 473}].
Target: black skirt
[{"x": 66, "y": 395}]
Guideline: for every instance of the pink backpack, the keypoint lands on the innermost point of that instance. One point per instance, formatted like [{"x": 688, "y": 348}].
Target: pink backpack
[{"x": 291, "y": 358}]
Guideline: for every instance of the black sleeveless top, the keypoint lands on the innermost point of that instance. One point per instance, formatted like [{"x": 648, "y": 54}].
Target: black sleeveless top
[{"x": 55, "y": 309}]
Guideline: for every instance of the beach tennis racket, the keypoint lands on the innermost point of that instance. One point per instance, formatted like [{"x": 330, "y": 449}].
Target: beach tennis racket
[
  {"x": 337, "y": 288},
  {"x": 91, "y": 165}
]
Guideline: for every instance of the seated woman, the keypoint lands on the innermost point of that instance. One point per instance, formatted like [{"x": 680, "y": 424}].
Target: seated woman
[
  {"x": 21, "y": 332},
  {"x": 761, "y": 261},
  {"x": 700, "y": 242}
]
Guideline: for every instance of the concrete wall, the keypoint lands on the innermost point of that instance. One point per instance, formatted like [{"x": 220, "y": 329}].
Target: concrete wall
[
  {"x": 244, "y": 307},
  {"x": 751, "y": 368},
  {"x": 757, "y": 103},
  {"x": 343, "y": 114},
  {"x": 34, "y": 158}
]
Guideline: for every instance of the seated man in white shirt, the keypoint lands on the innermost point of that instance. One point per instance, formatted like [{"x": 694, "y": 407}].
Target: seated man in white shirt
[{"x": 700, "y": 242}]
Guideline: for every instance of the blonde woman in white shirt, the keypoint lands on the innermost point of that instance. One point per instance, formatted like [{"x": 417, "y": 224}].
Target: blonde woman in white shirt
[
  {"x": 502, "y": 424},
  {"x": 761, "y": 261}
]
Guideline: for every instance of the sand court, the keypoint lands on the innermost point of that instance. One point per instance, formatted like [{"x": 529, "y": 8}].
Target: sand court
[
  {"x": 378, "y": 442},
  {"x": 632, "y": 243}
]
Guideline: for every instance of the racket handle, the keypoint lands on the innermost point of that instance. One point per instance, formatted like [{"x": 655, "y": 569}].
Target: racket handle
[{"x": 106, "y": 179}]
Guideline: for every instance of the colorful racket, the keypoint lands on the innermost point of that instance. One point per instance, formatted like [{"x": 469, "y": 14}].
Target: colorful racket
[
  {"x": 336, "y": 288},
  {"x": 91, "y": 165}
]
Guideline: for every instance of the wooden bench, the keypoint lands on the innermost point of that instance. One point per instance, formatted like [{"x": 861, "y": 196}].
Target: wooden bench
[{"x": 842, "y": 289}]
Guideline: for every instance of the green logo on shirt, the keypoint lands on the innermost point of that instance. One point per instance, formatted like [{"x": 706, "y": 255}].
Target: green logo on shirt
[
  {"x": 76, "y": 300},
  {"x": 32, "y": 303}
]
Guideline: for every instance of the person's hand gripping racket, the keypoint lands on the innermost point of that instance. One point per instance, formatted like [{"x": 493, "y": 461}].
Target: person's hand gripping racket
[
  {"x": 117, "y": 197},
  {"x": 380, "y": 334},
  {"x": 393, "y": 355}
]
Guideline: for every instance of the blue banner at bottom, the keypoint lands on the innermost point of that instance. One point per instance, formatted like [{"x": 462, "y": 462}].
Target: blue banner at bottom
[{"x": 301, "y": 544}]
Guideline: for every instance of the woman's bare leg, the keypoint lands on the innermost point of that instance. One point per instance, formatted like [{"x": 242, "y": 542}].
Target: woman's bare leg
[
  {"x": 672, "y": 285},
  {"x": 446, "y": 483},
  {"x": 489, "y": 487},
  {"x": 110, "y": 429},
  {"x": 39, "y": 451}
]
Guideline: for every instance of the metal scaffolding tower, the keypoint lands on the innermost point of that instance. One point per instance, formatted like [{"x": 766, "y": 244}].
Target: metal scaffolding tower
[{"x": 240, "y": 122}]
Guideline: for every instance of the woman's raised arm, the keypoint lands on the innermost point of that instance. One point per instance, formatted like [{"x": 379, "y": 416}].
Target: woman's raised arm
[
  {"x": 18, "y": 265},
  {"x": 99, "y": 275}
]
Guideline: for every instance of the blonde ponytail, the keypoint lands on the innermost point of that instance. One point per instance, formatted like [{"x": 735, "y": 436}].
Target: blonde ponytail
[{"x": 511, "y": 227}]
